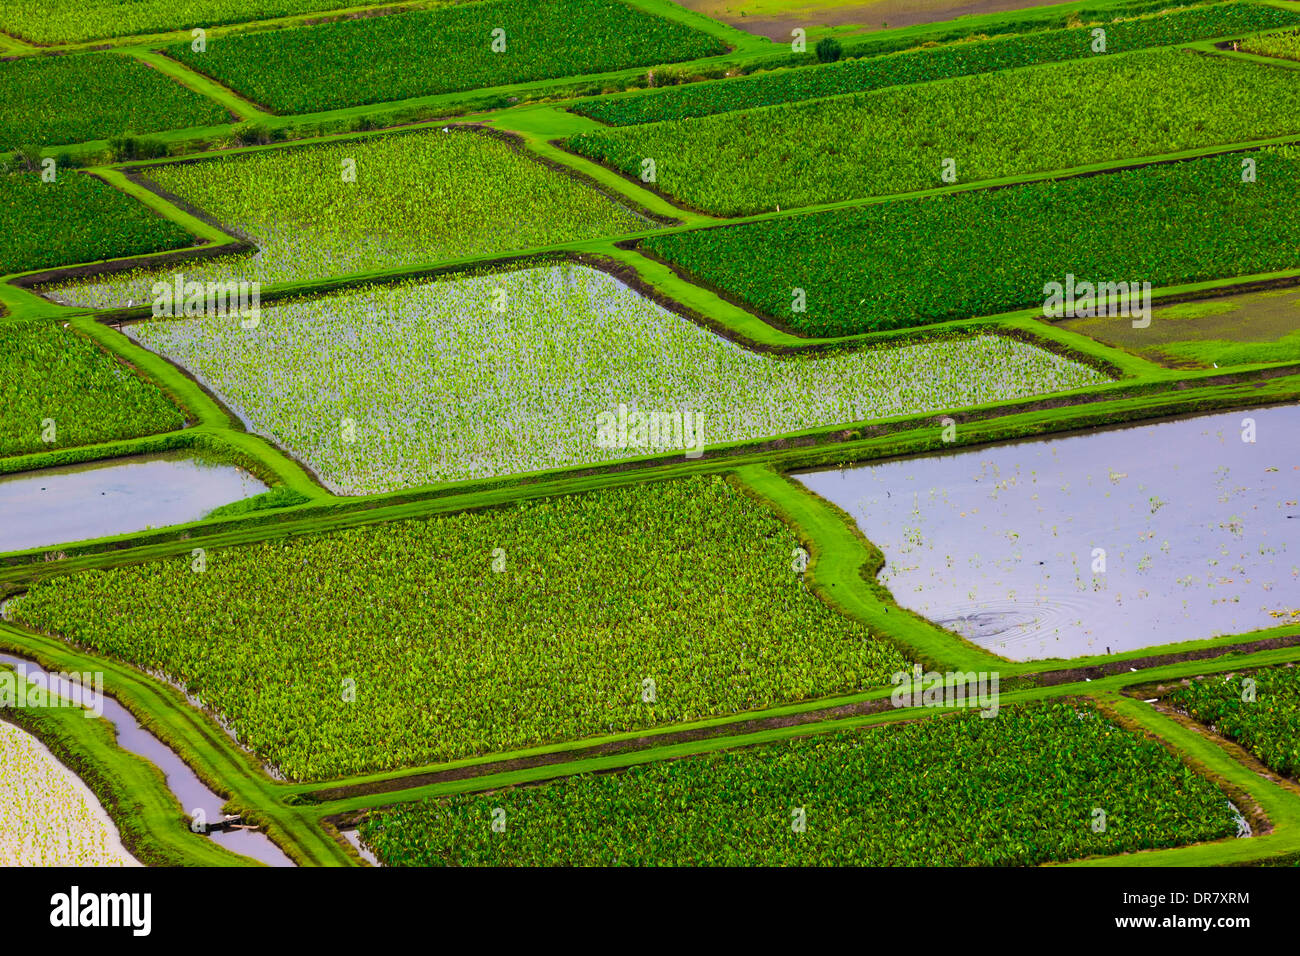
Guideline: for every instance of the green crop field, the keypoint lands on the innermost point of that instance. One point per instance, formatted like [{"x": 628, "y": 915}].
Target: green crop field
[
  {"x": 481, "y": 410},
  {"x": 410, "y": 198},
  {"x": 557, "y": 433},
  {"x": 49, "y": 101},
  {"x": 46, "y": 22},
  {"x": 1285, "y": 45},
  {"x": 36, "y": 215},
  {"x": 922, "y": 794},
  {"x": 998, "y": 124},
  {"x": 1259, "y": 710},
  {"x": 688, "y": 584},
  {"x": 984, "y": 252},
  {"x": 445, "y": 50},
  {"x": 56, "y": 377},
  {"x": 931, "y": 63}
]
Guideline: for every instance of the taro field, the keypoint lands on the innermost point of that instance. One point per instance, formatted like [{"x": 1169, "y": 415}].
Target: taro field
[{"x": 638, "y": 433}]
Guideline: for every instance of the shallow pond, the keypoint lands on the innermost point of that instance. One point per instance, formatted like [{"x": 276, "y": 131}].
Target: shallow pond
[
  {"x": 97, "y": 499},
  {"x": 1200, "y": 532}
]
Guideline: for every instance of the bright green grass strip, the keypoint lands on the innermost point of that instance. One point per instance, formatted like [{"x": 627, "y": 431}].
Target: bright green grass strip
[
  {"x": 688, "y": 584},
  {"x": 440, "y": 385},
  {"x": 417, "y": 197},
  {"x": 52, "y": 100},
  {"x": 982, "y": 252},
  {"x": 999, "y": 124},
  {"x": 46, "y": 22},
  {"x": 52, "y": 374},
  {"x": 932, "y": 63},
  {"x": 75, "y": 219},
  {"x": 446, "y": 50},
  {"x": 1019, "y": 789},
  {"x": 1285, "y": 45},
  {"x": 1260, "y": 710}
]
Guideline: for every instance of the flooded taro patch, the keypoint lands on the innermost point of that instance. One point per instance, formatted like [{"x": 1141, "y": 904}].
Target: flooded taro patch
[
  {"x": 51, "y": 818},
  {"x": 1092, "y": 544},
  {"x": 387, "y": 387},
  {"x": 80, "y": 502}
]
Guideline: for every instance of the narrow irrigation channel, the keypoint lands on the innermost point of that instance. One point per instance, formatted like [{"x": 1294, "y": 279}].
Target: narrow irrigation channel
[
  {"x": 1096, "y": 543},
  {"x": 192, "y": 793},
  {"x": 57, "y": 505}
]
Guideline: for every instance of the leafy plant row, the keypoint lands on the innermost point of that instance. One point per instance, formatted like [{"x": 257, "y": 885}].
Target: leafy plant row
[
  {"x": 908, "y": 138},
  {"x": 1260, "y": 710},
  {"x": 56, "y": 100},
  {"x": 407, "y": 643},
  {"x": 900, "y": 264},
  {"x": 444, "y": 50},
  {"x": 75, "y": 219},
  {"x": 378, "y": 202},
  {"x": 46, "y": 22},
  {"x": 1035, "y": 784},
  {"x": 933, "y": 63},
  {"x": 1285, "y": 45},
  {"x": 52, "y": 374}
]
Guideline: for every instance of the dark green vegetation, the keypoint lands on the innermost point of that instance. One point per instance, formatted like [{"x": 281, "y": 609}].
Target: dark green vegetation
[
  {"x": 999, "y": 124},
  {"x": 1263, "y": 715},
  {"x": 49, "y": 372},
  {"x": 689, "y": 584},
  {"x": 48, "y": 22},
  {"x": 1016, "y": 789},
  {"x": 53, "y": 100},
  {"x": 1232, "y": 330},
  {"x": 931, "y": 63},
  {"x": 893, "y": 265},
  {"x": 75, "y": 219},
  {"x": 444, "y": 50}
]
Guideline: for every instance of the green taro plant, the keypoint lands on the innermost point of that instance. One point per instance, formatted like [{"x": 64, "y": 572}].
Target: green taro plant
[
  {"x": 110, "y": 223},
  {"x": 1260, "y": 710},
  {"x": 447, "y": 49},
  {"x": 969, "y": 129},
  {"x": 407, "y": 643},
  {"x": 56, "y": 100},
  {"x": 983, "y": 252},
  {"x": 924, "y": 64},
  {"x": 58, "y": 389},
  {"x": 367, "y": 204},
  {"x": 1019, "y": 789}
]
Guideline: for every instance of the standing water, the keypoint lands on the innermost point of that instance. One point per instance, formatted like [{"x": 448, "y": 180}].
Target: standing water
[
  {"x": 1099, "y": 543},
  {"x": 192, "y": 792},
  {"x": 63, "y": 505}
]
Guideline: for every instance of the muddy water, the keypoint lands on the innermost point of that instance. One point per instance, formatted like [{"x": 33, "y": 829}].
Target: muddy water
[
  {"x": 62, "y": 505},
  {"x": 1201, "y": 534},
  {"x": 192, "y": 793}
]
